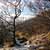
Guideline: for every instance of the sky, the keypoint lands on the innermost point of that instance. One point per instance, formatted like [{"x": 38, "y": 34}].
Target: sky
[{"x": 27, "y": 13}]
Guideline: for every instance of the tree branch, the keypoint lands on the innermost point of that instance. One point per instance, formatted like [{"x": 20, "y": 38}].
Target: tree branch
[{"x": 5, "y": 21}]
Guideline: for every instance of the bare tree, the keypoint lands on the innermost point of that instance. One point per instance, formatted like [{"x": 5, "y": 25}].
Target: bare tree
[{"x": 9, "y": 9}]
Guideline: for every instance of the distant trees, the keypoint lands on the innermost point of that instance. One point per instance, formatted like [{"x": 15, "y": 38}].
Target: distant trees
[{"x": 5, "y": 33}]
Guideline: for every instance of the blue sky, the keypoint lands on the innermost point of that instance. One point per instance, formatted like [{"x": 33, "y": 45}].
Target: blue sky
[
  {"x": 26, "y": 13},
  {"x": 26, "y": 10}
]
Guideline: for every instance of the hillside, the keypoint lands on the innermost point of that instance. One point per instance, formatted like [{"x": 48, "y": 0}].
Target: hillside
[
  {"x": 35, "y": 30},
  {"x": 38, "y": 25}
]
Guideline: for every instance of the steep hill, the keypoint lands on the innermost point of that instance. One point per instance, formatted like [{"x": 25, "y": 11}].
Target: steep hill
[{"x": 37, "y": 25}]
